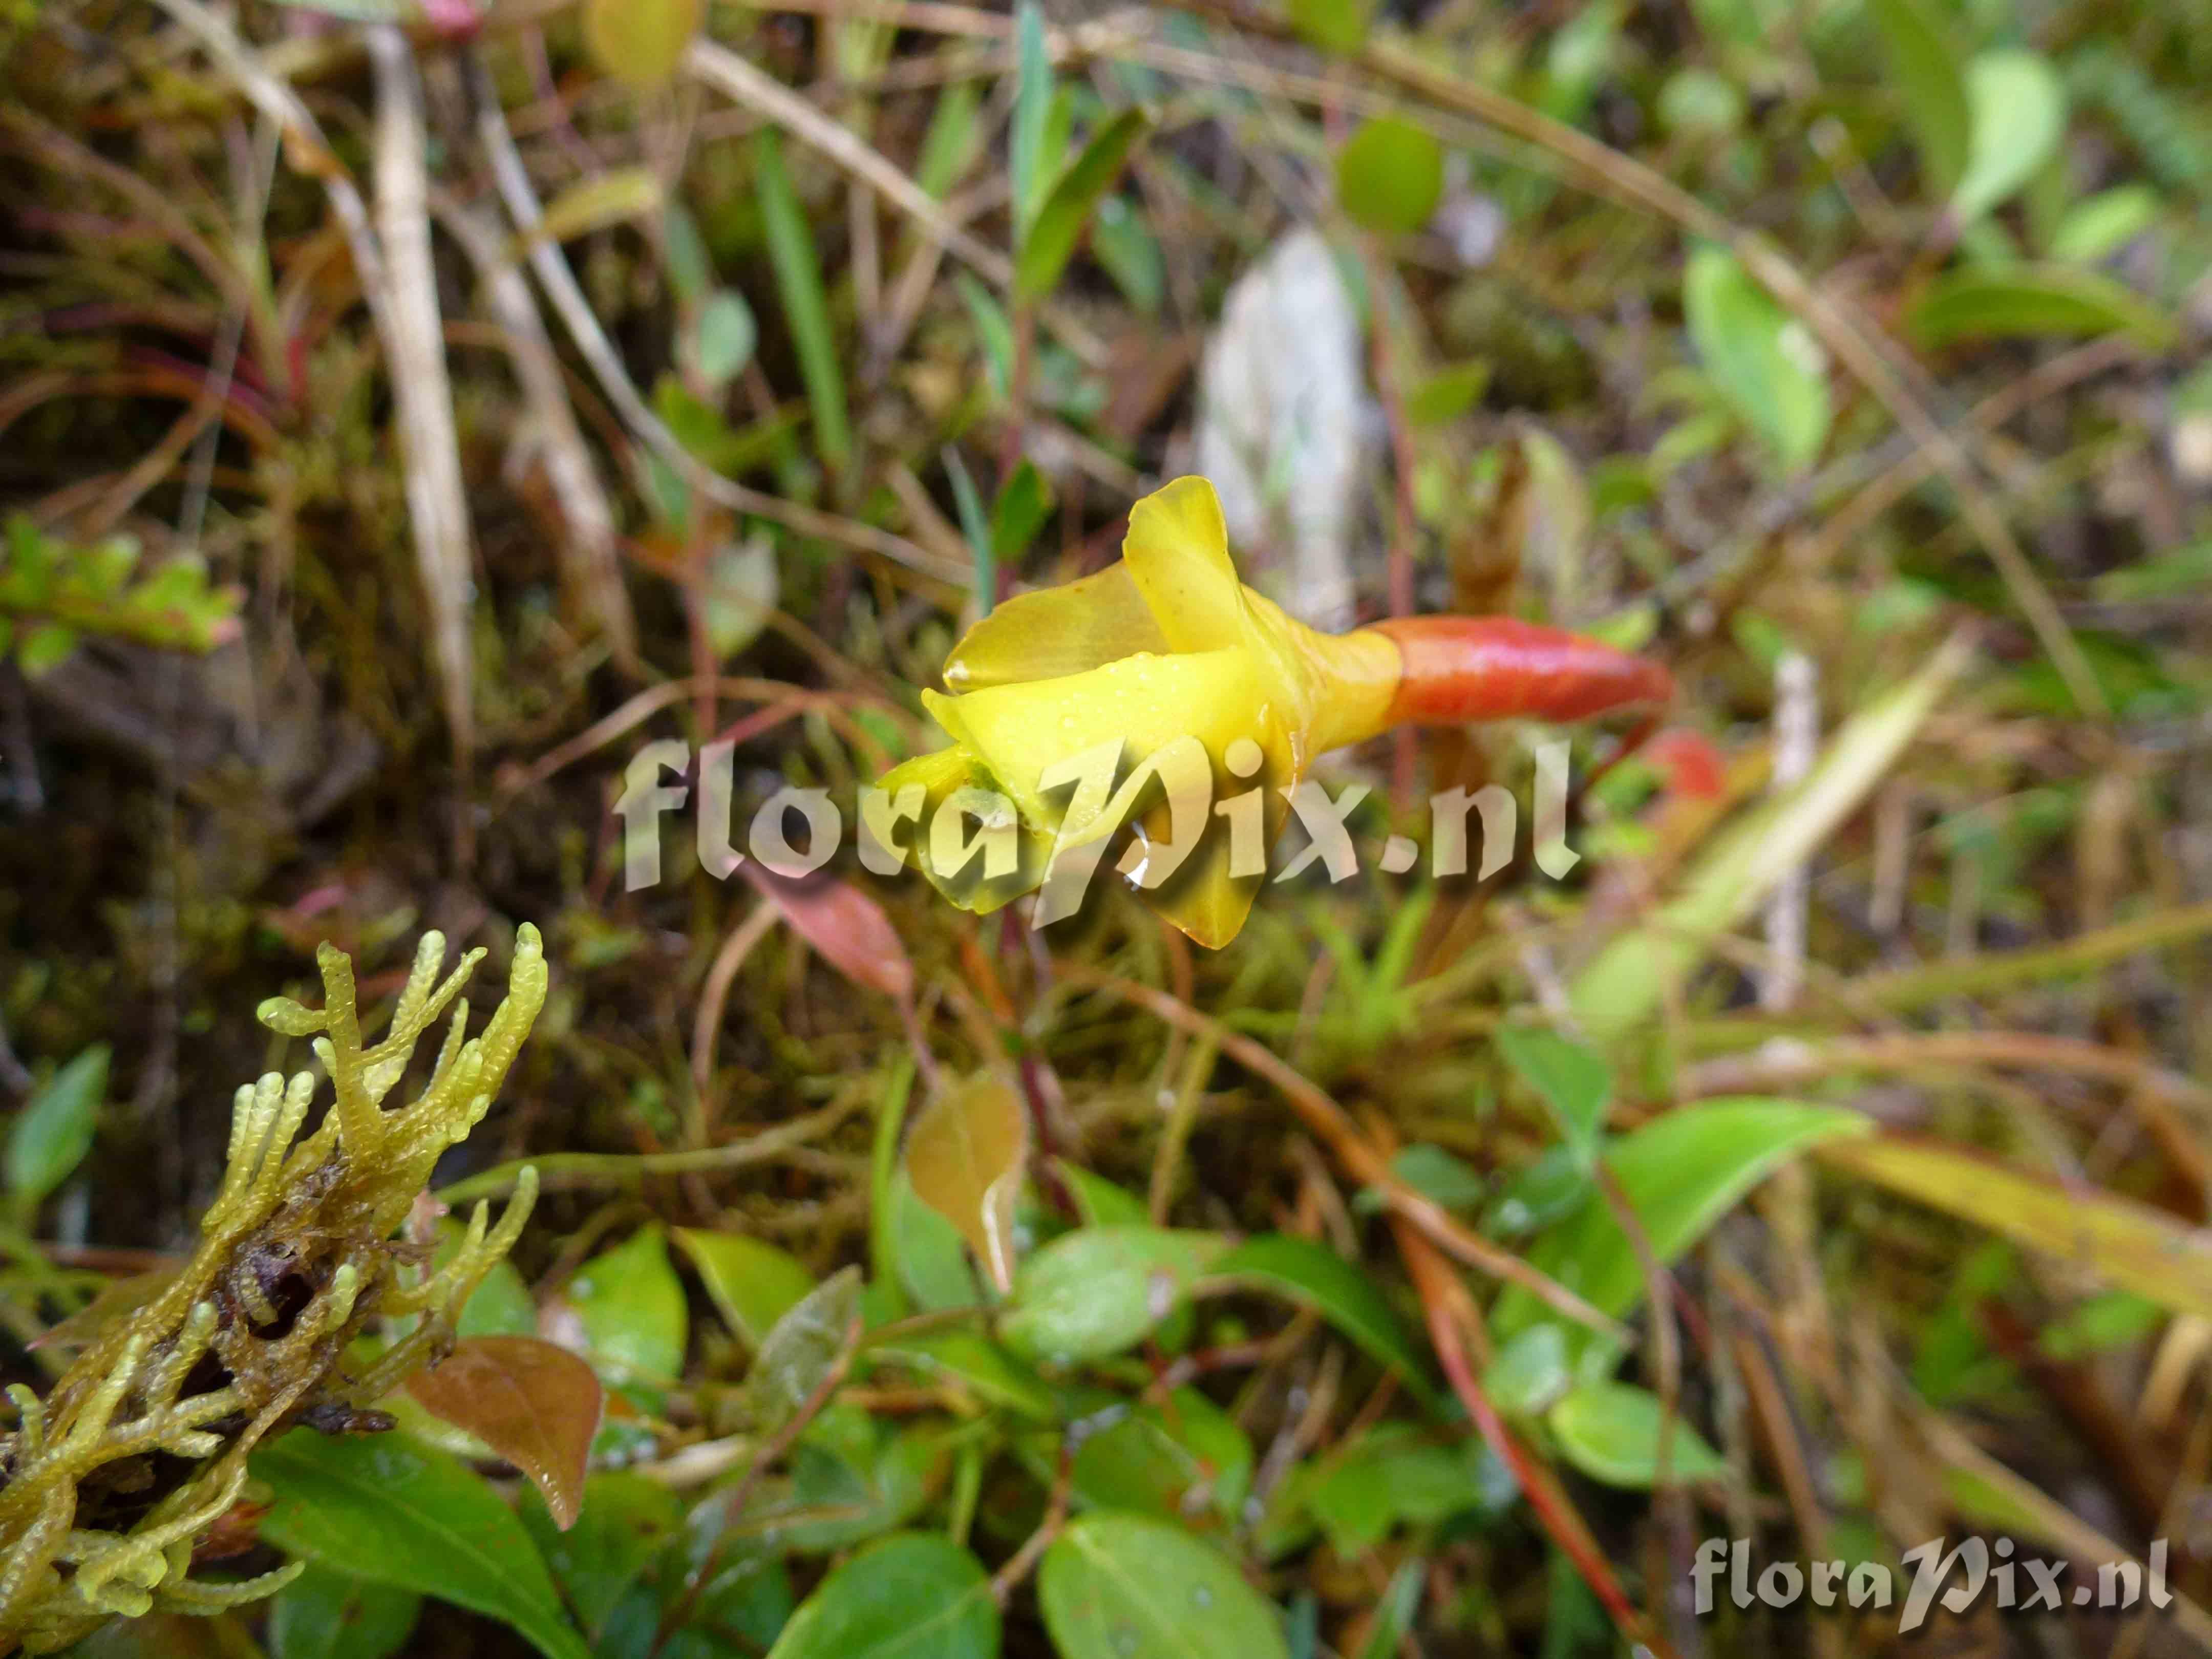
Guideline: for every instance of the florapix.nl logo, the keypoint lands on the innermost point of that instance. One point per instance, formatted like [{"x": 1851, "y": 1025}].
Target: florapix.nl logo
[{"x": 796, "y": 831}]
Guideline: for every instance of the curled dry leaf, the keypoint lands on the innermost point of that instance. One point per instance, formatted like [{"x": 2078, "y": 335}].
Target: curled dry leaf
[
  {"x": 965, "y": 1156},
  {"x": 536, "y": 1405}
]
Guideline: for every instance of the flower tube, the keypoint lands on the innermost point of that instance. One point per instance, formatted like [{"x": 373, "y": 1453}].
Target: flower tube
[{"x": 1166, "y": 659}]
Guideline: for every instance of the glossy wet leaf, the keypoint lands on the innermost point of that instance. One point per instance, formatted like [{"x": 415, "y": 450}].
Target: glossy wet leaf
[
  {"x": 2130, "y": 1244},
  {"x": 1390, "y": 176},
  {"x": 631, "y": 1304},
  {"x": 327, "y": 1613},
  {"x": 54, "y": 1130},
  {"x": 501, "y": 1305},
  {"x": 393, "y": 1510},
  {"x": 1680, "y": 1173},
  {"x": 799, "y": 1352},
  {"x": 916, "y": 1595},
  {"x": 1574, "y": 1083},
  {"x": 1931, "y": 87},
  {"x": 847, "y": 927},
  {"x": 1765, "y": 363},
  {"x": 641, "y": 42},
  {"x": 965, "y": 1156},
  {"x": 2034, "y": 302},
  {"x": 1311, "y": 1272},
  {"x": 2016, "y": 114},
  {"x": 753, "y": 1283},
  {"x": 1097, "y": 1291},
  {"x": 623, "y": 1524},
  {"x": 1611, "y": 1432},
  {"x": 536, "y": 1405},
  {"x": 1623, "y": 985},
  {"x": 1120, "y": 1586},
  {"x": 1065, "y": 211}
]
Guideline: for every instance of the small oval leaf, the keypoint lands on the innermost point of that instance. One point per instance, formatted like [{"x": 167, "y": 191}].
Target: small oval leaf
[
  {"x": 1610, "y": 1432},
  {"x": 1097, "y": 1291},
  {"x": 844, "y": 924},
  {"x": 753, "y": 1283},
  {"x": 1390, "y": 176},
  {"x": 536, "y": 1405},
  {"x": 2016, "y": 110},
  {"x": 2035, "y": 301},
  {"x": 1120, "y": 1586},
  {"x": 799, "y": 1353},
  {"x": 913, "y": 1595},
  {"x": 631, "y": 1304},
  {"x": 965, "y": 1156}
]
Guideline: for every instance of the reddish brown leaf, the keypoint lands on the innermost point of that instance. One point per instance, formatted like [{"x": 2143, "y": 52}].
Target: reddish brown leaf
[
  {"x": 535, "y": 1405},
  {"x": 843, "y": 923}
]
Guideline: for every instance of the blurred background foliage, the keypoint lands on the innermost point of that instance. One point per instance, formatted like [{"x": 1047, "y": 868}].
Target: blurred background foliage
[{"x": 412, "y": 411}]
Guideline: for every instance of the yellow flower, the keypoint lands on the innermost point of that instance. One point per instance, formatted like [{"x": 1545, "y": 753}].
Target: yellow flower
[
  {"x": 1166, "y": 671},
  {"x": 1165, "y": 645}
]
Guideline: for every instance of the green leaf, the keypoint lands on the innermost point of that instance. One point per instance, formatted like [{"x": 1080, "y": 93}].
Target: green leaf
[
  {"x": 1389, "y": 1479},
  {"x": 641, "y": 42},
  {"x": 1065, "y": 210},
  {"x": 1610, "y": 1432},
  {"x": 1680, "y": 1173},
  {"x": 1033, "y": 96},
  {"x": 933, "y": 1259},
  {"x": 1390, "y": 176},
  {"x": 742, "y": 585},
  {"x": 994, "y": 1375},
  {"x": 690, "y": 267},
  {"x": 1449, "y": 393},
  {"x": 1310, "y": 1271},
  {"x": 798, "y": 1353},
  {"x": 1332, "y": 26},
  {"x": 631, "y": 1304},
  {"x": 1174, "y": 1460},
  {"x": 1530, "y": 1372},
  {"x": 402, "y": 1513},
  {"x": 54, "y": 1130},
  {"x": 965, "y": 1156},
  {"x": 501, "y": 1304},
  {"x": 753, "y": 1283},
  {"x": 1099, "y": 1201},
  {"x": 1120, "y": 1586},
  {"x": 46, "y": 648},
  {"x": 325, "y": 1614},
  {"x": 1125, "y": 247},
  {"x": 1098, "y": 1289},
  {"x": 2016, "y": 109},
  {"x": 1931, "y": 87},
  {"x": 914, "y": 1595},
  {"x": 1576, "y": 1083},
  {"x": 2095, "y": 229},
  {"x": 1024, "y": 502},
  {"x": 1765, "y": 362},
  {"x": 1394, "y": 1614},
  {"x": 2035, "y": 301},
  {"x": 725, "y": 337},
  {"x": 625, "y": 1520},
  {"x": 805, "y": 304}
]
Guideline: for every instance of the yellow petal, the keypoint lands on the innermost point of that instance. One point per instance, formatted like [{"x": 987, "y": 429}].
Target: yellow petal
[
  {"x": 943, "y": 775},
  {"x": 1055, "y": 632},
  {"x": 1177, "y": 550}
]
